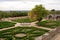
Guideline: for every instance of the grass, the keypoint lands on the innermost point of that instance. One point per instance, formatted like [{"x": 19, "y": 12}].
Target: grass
[
  {"x": 30, "y": 32},
  {"x": 5, "y": 24},
  {"x": 26, "y": 20},
  {"x": 49, "y": 24}
]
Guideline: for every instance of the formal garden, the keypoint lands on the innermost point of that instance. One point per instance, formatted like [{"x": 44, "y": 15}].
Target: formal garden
[
  {"x": 30, "y": 33},
  {"x": 25, "y": 32}
]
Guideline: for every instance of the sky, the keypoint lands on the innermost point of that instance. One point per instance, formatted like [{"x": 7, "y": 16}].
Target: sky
[{"x": 28, "y": 4}]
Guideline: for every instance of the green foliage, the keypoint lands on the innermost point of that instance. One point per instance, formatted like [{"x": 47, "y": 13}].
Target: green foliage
[
  {"x": 12, "y": 14},
  {"x": 49, "y": 24},
  {"x": 53, "y": 11},
  {"x": 25, "y": 20},
  {"x": 6, "y": 24},
  {"x": 30, "y": 32},
  {"x": 39, "y": 12}
]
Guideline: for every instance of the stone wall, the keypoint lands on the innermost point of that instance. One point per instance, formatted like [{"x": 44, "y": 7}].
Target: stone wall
[
  {"x": 50, "y": 34},
  {"x": 53, "y": 17}
]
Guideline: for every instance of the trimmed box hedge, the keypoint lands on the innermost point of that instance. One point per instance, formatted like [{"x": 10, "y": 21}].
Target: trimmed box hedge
[
  {"x": 6, "y": 24},
  {"x": 49, "y": 24},
  {"x": 30, "y": 32},
  {"x": 25, "y": 20}
]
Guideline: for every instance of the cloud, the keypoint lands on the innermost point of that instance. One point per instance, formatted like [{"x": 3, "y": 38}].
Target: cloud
[
  {"x": 28, "y": 4},
  {"x": 9, "y": 0},
  {"x": 17, "y": 5},
  {"x": 20, "y": 0}
]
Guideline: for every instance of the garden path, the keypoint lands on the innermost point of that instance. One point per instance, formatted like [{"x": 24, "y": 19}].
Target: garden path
[
  {"x": 13, "y": 18},
  {"x": 32, "y": 24},
  {"x": 7, "y": 28}
]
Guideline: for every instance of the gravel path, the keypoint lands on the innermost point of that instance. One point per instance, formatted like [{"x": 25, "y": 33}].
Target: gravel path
[
  {"x": 7, "y": 28},
  {"x": 31, "y": 24},
  {"x": 10, "y": 18}
]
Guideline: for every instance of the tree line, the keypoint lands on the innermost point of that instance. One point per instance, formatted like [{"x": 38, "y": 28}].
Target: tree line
[
  {"x": 37, "y": 13},
  {"x": 5, "y": 14}
]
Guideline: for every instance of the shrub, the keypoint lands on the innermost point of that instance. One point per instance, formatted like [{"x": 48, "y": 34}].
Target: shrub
[
  {"x": 49, "y": 24},
  {"x": 29, "y": 34},
  {"x": 12, "y": 14},
  {"x": 25, "y": 20},
  {"x": 6, "y": 24}
]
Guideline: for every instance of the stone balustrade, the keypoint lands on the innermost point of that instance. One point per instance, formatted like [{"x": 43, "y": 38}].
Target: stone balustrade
[{"x": 50, "y": 34}]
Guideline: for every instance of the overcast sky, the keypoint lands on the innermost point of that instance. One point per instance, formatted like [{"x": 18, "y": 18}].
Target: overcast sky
[{"x": 28, "y": 4}]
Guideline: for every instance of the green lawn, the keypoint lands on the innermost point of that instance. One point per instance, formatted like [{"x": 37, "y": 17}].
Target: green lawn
[
  {"x": 5, "y": 24},
  {"x": 30, "y": 32},
  {"x": 23, "y": 20},
  {"x": 49, "y": 24}
]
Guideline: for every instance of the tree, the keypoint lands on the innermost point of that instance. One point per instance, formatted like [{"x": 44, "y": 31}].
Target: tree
[
  {"x": 38, "y": 13},
  {"x": 1, "y": 15},
  {"x": 53, "y": 11}
]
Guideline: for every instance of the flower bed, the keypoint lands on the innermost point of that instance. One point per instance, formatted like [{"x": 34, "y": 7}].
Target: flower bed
[
  {"x": 49, "y": 24},
  {"x": 30, "y": 32},
  {"x": 26, "y": 20},
  {"x": 5, "y": 24}
]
